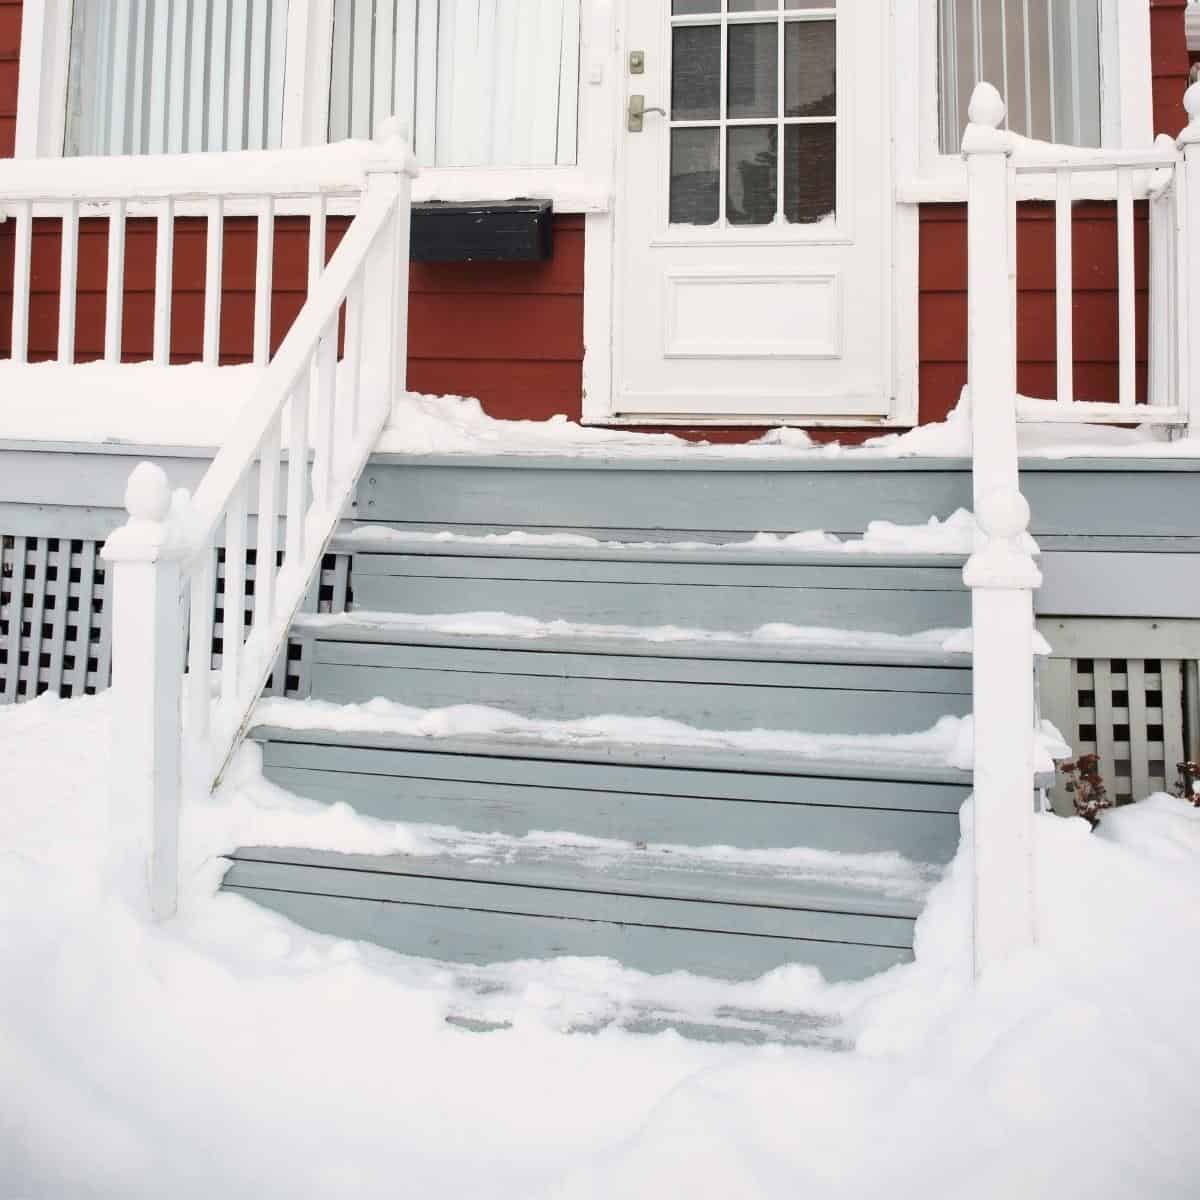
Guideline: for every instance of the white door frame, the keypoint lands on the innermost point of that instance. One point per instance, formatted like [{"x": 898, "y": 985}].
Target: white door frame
[{"x": 602, "y": 230}]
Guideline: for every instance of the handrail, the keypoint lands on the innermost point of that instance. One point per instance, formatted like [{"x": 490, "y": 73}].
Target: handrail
[
  {"x": 335, "y": 169},
  {"x": 175, "y": 731}
]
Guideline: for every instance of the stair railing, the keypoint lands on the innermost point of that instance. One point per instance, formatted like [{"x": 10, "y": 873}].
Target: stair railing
[
  {"x": 1002, "y": 574},
  {"x": 174, "y": 732}
]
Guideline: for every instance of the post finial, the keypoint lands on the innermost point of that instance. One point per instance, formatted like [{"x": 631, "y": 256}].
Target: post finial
[
  {"x": 148, "y": 494},
  {"x": 392, "y": 129},
  {"x": 987, "y": 106},
  {"x": 1191, "y": 102}
]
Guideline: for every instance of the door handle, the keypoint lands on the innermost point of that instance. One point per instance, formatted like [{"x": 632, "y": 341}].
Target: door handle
[{"x": 638, "y": 110}]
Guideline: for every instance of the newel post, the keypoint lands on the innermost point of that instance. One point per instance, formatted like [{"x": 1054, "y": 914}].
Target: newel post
[
  {"x": 991, "y": 336},
  {"x": 1189, "y": 145},
  {"x": 390, "y": 170},
  {"x": 145, "y": 781},
  {"x": 1002, "y": 577}
]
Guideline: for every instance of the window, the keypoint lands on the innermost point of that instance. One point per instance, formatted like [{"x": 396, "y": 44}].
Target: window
[
  {"x": 1043, "y": 55},
  {"x": 169, "y": 76},
  {"x": 481, "y": 82}
]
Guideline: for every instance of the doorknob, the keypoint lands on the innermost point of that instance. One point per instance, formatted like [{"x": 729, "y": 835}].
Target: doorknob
[{"x": 638, "y": 109}]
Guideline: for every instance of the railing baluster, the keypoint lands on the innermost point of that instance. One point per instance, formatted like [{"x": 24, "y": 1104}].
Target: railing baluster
[
  {"x": 1064, "y": 287},
  {"x": 265, "y": 259},
  {"x": 68, "y": 282},
  {"x": 352, "y": 357},
  {"x": 164, "y": 265},
  {"x": 22, "y": 251},
  {"x": 316, "y": 241},
  {"x": 267, "y": 541},
  {"x": 114, "y": 297},
  {"x": 1126, "y": 296},
  {"x": 324, "y": 473},
  {"x": 297, "y": 471},
  {"x": 198, "y": 698},
  {"x": 234, "y": 600},
  {"x": 213, "y": 279}
]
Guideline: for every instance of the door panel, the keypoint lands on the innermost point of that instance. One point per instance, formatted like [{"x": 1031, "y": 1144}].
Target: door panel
[{"x": 752, "y": 260}]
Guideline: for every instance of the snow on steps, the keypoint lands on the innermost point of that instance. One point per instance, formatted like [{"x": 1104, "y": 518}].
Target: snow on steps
[{"x": 694, "y": 705}]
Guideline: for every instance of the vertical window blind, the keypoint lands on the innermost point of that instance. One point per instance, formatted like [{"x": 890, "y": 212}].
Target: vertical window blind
[
  {"x": 1043, "y": 55},
  {"x": 174, "y": 76},
  {"x": 481, "y": 82}
]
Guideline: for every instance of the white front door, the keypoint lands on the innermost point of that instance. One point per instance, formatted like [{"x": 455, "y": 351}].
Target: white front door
[{"x": 753, "y": 221}]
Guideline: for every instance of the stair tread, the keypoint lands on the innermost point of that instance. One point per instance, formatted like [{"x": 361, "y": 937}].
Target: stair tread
[
  {"x": 883, "y": 885},
  {"x": 867, "y": 767},
  {"x": 544, "y": 637},
  {"x": 587, "y": 548}
]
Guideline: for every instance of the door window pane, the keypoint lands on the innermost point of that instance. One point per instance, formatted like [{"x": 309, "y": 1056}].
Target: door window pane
[
  {"x": 751, "y": 189},
  {"x": 695, "y": 176},
  {"x": 809, "y": 173},
  {"x": 686, "y": 8},
  {"x": 810, "y": 69},
  {"x": 696, "y": 73},
  {"x": 753, "y": 70},
  {"x": 753, "y": 5}
]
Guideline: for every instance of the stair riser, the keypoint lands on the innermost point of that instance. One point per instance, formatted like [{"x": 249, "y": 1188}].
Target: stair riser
[
  {"x": 701, "y": 705},
  {"x": 734, "y": 497},
  {"x": 516, "y": 810},
  {"x": 738, "y": 609},
  {"x": 457, "y": 924}
]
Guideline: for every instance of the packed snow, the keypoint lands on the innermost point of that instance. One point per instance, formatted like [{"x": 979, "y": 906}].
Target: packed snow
[
  {"x": 195, "y": 406},
  {"x": 227, "y": 1052}
]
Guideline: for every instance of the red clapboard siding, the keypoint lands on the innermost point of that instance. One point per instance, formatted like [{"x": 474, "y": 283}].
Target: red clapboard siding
[{"x": 10, "y": 51}]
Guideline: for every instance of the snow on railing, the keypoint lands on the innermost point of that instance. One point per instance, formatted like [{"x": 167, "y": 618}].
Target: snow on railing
[
  {"x": 172, "y": 730},
  {"x": 52, "y": 195},
  {"x": 1002, "y": 574}
]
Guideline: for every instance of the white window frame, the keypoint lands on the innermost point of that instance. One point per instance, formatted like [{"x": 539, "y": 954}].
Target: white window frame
[
  {"x": 925, "y": 175},
  {"x": 583, "y": 187}
]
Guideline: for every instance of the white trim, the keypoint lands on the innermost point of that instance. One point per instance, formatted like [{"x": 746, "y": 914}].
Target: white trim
[
  {"x": 42, "y": 77},
  {"x": 1191, "y": 25}
]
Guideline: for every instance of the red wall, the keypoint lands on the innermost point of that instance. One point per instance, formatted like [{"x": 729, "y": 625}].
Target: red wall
[
  {"x": 10, "y": 43},
  {"x": 513, "y": 334}
]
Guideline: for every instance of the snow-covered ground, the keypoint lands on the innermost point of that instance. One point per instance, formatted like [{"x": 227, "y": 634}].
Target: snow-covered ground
[{"x": 227, "y": 1053}]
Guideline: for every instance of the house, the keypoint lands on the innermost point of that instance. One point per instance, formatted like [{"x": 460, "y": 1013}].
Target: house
[{"x": 695, "y": 217}]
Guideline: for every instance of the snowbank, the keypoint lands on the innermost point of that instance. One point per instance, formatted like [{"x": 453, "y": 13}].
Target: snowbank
[{"x": 229, "y": 1053}]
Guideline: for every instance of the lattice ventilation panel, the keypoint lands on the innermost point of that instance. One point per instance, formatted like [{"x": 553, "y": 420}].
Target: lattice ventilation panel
[
  {"x": 1109, "y": 697},
  {"x": 55, "y": 618}
]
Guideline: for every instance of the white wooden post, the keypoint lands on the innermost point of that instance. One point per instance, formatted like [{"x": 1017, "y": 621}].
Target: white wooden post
[
  {"x": 145, "y": 556},
  {"x": 1002, "y": 576},
  {"x": 991, "y": 336},
  {"x": 385, "y": 282},
  {"x": 1189, "y": 354}
]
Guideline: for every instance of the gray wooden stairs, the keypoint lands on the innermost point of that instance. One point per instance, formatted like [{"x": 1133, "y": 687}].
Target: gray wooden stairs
[{"x": 637, "y": 761}]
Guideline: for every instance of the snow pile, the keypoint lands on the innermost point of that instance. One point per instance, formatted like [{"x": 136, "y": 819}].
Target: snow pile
[{"x": 229, "y": 1053}]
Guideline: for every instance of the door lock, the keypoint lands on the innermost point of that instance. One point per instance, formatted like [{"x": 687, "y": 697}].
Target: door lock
[{"x": 638, "y": 109}]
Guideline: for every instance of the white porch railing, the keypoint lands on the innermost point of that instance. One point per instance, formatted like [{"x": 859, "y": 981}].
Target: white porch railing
[
  {"x": 1001, "y": 573},
  {"x": 171, "y": 729}
]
